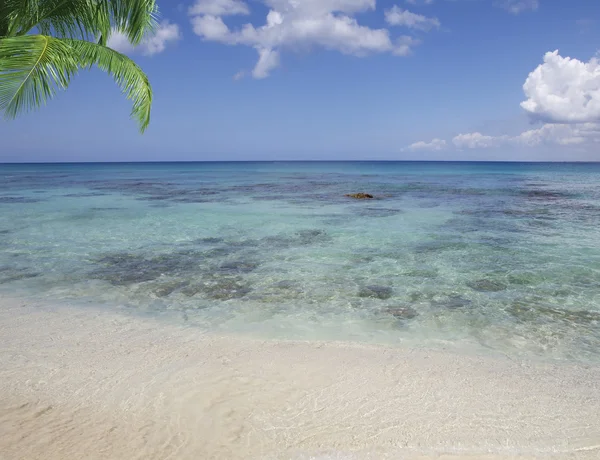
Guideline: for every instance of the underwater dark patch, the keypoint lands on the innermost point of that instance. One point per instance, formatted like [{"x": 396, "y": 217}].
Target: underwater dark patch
[
  {"x": 401, "y": 312},
  {"x": 18, "y": 200},
  {"x": 376, "y": 292},
  {"x": 486, "y": 285}
]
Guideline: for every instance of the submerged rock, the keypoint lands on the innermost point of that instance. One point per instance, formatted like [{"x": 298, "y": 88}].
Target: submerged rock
[
  {"x": 376, "y": 292},
  {"x": 401, "y": 312},
  {"x": 18, "y": 275},
  {"x": 226, "y": 289},
  {"x": 17, "y": 200},
  {"x": 306, "y": 237},
  {"x": 209, "y": 240},
  {"x": 486, "y": 285},
  {"x": 440, "y": 246},
  {"x": 285, "y": 284},
  {"x": 237, "y": 267},
  {"x": 166, "y": 289},
  {"x": 453, "y": 302},
  {"x": 360, "y": 196},
  {"x": 531, "y": 312}
]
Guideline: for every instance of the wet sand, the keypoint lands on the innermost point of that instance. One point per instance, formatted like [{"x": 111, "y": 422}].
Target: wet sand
[{"x": 77, "y": 382}]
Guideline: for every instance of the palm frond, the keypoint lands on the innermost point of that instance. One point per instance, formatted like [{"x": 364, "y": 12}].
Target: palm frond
[
  {"x": 83, "y": 19},
  {"x": 32, "y": 67},
  {"x": 126, "y": 73}
]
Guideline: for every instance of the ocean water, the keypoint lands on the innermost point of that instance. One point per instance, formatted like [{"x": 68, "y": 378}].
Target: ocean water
[{"x": 498, "y": 257}]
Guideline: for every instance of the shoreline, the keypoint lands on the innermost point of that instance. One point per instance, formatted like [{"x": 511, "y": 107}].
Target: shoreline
[{"x": 84, "y": 383}]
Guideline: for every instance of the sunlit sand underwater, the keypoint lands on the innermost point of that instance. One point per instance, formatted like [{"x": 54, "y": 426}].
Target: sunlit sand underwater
[{"x": 493, "y": 257}]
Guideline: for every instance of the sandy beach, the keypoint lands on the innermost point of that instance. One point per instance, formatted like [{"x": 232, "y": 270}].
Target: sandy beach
[{"x": 82, "y": 383}]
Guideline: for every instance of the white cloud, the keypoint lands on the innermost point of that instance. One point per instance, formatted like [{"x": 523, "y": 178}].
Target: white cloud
[
  {"x": 219, "y": 7},
  {"x": 396, "y": 16},
  {"x": 564, "y": 94},
  {"x": 238, "y": 76},
  {"x": 296, "y": 25},
  {"x": 153, "y": 44},
  {"x": 211, "y": 28},
  {"x": 475, "y": 141},
  {"x": 518, "y": 6},
  {"x": 564, "y": 90},
  {"x": 560, "y": 134},
  {"x": 556, "y": 134},
  {"x": 268, "y": 59},
  {"x": 419, "y": 2},
  {"x": 434, "y": 145}
]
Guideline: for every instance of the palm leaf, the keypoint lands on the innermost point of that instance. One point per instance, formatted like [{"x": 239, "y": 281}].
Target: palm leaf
[
  {"x": 32, "y": 67},
  {"x": 127, "y": 74},
  {"x": 82, "y": 19}
]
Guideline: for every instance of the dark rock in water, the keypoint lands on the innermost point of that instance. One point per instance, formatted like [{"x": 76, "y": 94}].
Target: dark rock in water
[
  {"x": 17, "y": 275},
  {"x": 312, "y": 236},
  {"x": 453, "y": 302},
  {"x": 401, "y": 312},
  {"x": 486, "y": 285},
  {"x": 209, "y": 240},
  {"x": 360, "y": 196},
  {"x": 220, "y": 252},
  {"x": 225, "y": 288},
  {"x": 300, "y": 238},
  {"x": 525, "y": 278},
  {"x": 237, "y": 267},
  {"x": 17, "y": 200},
  {"x": 166, "y": 289},
  {"x": 376, "y": 292},
  {"x": 122, "y": 269},
  {"x": 285, "y": 284},
  {"x": 533, "y": 312}
]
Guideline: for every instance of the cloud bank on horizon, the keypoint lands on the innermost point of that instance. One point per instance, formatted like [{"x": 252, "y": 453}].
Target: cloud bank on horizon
[{"x": 563, "y": 94}]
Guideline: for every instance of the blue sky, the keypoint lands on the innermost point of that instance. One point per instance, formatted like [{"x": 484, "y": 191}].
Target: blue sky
[{"x": 341, "y": 79}]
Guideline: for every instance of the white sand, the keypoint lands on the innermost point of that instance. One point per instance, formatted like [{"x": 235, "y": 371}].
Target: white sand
[{"x": 77, "y": 383}]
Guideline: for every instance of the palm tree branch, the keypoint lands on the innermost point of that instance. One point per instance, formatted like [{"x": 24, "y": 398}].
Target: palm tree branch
[
  {"x": 126, "y": 73},
  {"x": 31, "y": 68}
]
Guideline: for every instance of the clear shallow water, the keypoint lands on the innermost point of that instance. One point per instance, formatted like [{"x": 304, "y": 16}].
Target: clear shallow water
[{"x": 504, "y": 257}]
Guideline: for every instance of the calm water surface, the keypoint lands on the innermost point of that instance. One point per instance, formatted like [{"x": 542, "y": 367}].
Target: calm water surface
[{"x": 502, "y": 257}]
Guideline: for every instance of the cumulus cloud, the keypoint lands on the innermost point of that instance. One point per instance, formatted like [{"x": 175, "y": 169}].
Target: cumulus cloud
[
  {"x": 219, "y": 7},
  {"x": 475, "y": 140},
  {"x": 396, "y": 16},
  {"x": 560, "y": 134},
  {"x": 294, "y": 25},
  {"x": 563, "y": 94},
  {"x": 564, "y": 90},
  {"x": 153, "y": 44},
  {"x": 518, "y": 6},
  {"x": 434, "y": 145}
]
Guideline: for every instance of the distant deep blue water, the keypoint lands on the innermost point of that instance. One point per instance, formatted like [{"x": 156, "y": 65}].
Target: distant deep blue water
[{"x": 497, "y": 256}]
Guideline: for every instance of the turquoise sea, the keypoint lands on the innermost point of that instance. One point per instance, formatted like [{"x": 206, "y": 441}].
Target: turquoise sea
[{"x": 503, "y": 257}]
